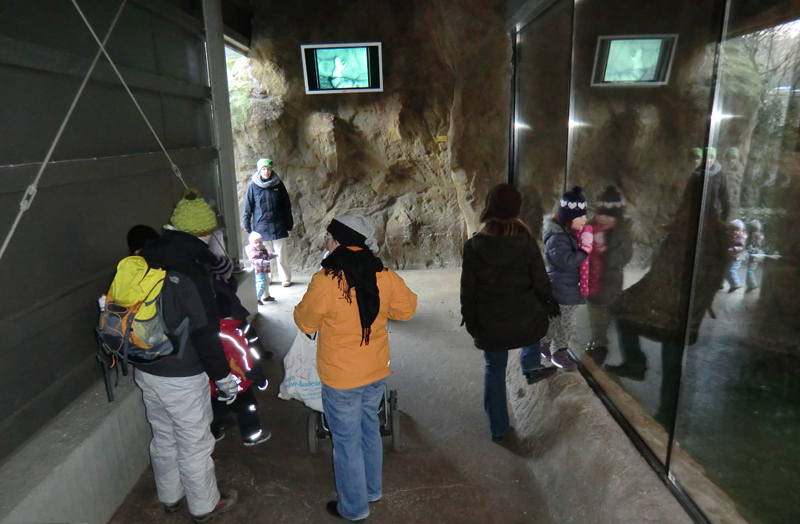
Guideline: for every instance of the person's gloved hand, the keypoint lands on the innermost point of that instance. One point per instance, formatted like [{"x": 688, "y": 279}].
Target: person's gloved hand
[
  {"x": 586, "y": 239},
  {"x": 257, "y": 376},
  {"x": 552, "y": 309},
  {"x": 226, "y": 389}
]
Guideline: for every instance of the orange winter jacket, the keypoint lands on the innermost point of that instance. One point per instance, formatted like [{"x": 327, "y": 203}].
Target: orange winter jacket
[{"x": 342, "y": 362}]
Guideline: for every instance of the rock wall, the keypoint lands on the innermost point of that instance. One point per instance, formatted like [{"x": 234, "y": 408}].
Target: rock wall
[{"x": 447, "y": 70}]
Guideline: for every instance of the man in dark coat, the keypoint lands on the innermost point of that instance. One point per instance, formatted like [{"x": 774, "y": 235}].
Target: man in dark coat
[{"x": 268, "y": 210}]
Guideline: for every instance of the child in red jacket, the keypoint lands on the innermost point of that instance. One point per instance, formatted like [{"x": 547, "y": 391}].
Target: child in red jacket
[{"x": 245, "y": 368}]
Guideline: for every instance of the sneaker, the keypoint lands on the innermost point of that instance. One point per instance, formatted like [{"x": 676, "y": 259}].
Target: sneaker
[
  {"x": 263, "y": 436},
  {"x": 175, "y": 506},
  {"x": 268, "y": 299},
  {"x": 561, "y": 359},
  {"x": 536, "y": 375},
  {"x": 218, "y": 435},
  {"x": 597, "y": 352},
  {"x": 226, "y": 502},
  {"x": 625, "y": 370},
  {"x": 286, "y": 284},
  {"x": 733, "y": 289},
  {"x": 260, "y": 303}
]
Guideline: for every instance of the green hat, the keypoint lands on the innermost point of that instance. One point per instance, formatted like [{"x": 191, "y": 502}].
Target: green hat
[
  {"x": 264, "y": 162},
  {"x": 732, "y": 152},
  {"x": 711, "y": 152},
  {"x": 696, "y": 152},
  {"x": 192, "y": 215}
]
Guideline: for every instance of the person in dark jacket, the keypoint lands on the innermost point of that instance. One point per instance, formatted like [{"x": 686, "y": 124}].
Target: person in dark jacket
[
  {"x": 268, "y": 210},
  {"x": 565, "y": 251},
  {"x": 175, "y": 389},
  {"x": 505, "y": 299},
  {"x": 611, "y": 252}
]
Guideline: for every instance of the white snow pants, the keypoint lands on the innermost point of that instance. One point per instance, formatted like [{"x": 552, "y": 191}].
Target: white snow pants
[{"x": 179, "y": 413}]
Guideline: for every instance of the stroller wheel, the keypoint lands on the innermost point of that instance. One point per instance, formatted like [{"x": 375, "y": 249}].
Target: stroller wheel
[
  {"x": 313, "y": 441},
  {"x": 395, "y": 420}
]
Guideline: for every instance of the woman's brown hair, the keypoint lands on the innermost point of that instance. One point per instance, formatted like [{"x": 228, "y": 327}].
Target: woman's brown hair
[{"x": 505, "y": 228}]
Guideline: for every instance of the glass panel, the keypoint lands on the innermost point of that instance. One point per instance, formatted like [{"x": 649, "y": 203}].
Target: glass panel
[
  {"x": 542, "y": 108},
  {"x": 739, "y": 411},
  {"x": 630, "y": 152}
]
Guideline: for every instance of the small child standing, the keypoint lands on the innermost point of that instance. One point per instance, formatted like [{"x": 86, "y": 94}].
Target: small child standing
[
  {"x": 565, "y": 251},
  {"x": 611, "y": 252},
  {"x": 737, "y": 239},
  {"x": 243, "y": 361},
  {"x": 755, "y": 251},
  {"x": 259, "y": 259}
]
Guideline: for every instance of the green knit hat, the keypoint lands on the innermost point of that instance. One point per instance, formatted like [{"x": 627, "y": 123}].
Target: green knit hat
[
  {"x": 696, "y": 152},
  {"x": 264, "y": 162},
  {"x": 192, "y": 215},
  {"x": 711, "y": 152},
  {"x": 732, "y": 152}
]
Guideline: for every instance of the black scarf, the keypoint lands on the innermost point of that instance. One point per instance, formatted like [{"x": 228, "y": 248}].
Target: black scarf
[{"x": 359, "y": 269}]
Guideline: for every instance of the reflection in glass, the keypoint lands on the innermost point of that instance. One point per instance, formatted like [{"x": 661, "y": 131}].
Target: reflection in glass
[{"x": 739, "y": 411}]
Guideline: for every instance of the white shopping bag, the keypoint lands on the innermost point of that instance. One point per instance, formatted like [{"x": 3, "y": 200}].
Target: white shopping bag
[{"x": 302, "y": 380}]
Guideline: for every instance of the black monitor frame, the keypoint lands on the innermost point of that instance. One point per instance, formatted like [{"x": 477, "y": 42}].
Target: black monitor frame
[
  {"x": 311, "y": 77},
  {"x": 663, "y": 66}
]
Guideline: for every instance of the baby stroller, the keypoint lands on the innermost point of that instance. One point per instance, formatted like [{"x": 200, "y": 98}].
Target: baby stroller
[{"x": 388, "y": 416}]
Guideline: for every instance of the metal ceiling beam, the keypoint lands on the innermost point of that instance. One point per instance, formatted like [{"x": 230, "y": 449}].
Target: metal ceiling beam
[{"x": 31, "y": 56}]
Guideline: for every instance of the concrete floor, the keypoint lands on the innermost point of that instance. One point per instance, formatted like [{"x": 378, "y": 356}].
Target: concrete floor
[{"x": 448, "y": 469}]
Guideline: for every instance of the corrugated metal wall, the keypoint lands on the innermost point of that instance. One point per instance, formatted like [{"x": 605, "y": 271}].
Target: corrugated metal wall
[{"x": 106, "y": 174}]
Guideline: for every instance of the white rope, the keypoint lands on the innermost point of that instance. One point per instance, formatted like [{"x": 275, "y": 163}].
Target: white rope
[
  {"x": 30, "y": 192},
  {"x": 133, "y": 98}
]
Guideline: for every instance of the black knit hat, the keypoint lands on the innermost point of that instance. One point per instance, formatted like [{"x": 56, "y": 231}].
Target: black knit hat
[
  {"x": 139, "y": 235},
  {"x": 572, "y": 205},
  {"x": 503, "y": 202},
  {"x": 611, "y": 203}
]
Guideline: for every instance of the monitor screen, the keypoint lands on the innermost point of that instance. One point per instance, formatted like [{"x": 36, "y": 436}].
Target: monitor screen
[
  {"x": 633, "y": 60},
  {"x": 342, "y": 68}
]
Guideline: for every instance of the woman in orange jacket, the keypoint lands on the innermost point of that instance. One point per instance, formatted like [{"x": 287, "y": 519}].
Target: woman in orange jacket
[{"x": 349, "y": 302}]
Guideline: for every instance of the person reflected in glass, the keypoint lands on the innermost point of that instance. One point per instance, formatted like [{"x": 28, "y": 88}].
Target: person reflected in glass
[
  {"x": 755, "y": 253},
  {"x": 738, "y": 239},
  {"x": 679, "y": 277},
  {"x": 566, "y": 247},
  {"x": 506, "y": 299},
  {"x": 611, "y": 252}
]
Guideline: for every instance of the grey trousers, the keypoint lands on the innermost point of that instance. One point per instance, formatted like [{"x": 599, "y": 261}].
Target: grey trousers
[
  {"x": 562, "y": 328},
  {"x": 179, "y": 413}
]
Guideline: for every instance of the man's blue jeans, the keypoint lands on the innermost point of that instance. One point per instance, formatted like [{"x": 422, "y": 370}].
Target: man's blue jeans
[
  {"x": 495, "y": 402},
  {"x": 352, "y": 416}
]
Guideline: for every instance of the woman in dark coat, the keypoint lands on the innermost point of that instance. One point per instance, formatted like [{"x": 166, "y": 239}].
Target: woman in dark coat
[{"x": 506, "y": 299}]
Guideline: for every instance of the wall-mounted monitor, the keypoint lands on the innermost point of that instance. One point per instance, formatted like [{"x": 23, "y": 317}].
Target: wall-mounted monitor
[
  {"x": 633, "y": 60},
  {"x": 343, "y": 68}
]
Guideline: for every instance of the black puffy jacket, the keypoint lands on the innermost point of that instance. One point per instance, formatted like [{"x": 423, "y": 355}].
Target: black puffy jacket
[
  {"x": 188, "y": 293},
  {"x": 504, "y": 287}
]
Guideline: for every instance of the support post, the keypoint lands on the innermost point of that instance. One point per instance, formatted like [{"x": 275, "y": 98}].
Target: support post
[{"x": 221, "y": 116}]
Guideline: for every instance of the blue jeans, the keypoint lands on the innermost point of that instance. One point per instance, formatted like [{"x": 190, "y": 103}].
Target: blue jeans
[
  {"x": 495, "y": 402},
  {"x": 352, "y": 416},
  {"x": 262, "y": 283},
  {"x": 732, "y": 275},
  {"x": 752, "y": 265}
]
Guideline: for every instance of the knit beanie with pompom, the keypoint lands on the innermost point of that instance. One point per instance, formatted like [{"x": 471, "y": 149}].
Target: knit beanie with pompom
[
  {"x": 572, "y": 205},
  {"x": 193, "y": 215}
]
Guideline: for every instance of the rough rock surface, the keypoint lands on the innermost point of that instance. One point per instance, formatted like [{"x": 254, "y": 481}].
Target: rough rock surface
[{"x": 446, "y": 68}]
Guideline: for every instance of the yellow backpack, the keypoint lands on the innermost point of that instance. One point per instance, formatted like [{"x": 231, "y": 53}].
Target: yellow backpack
[{"x": 131, "y": 325}]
